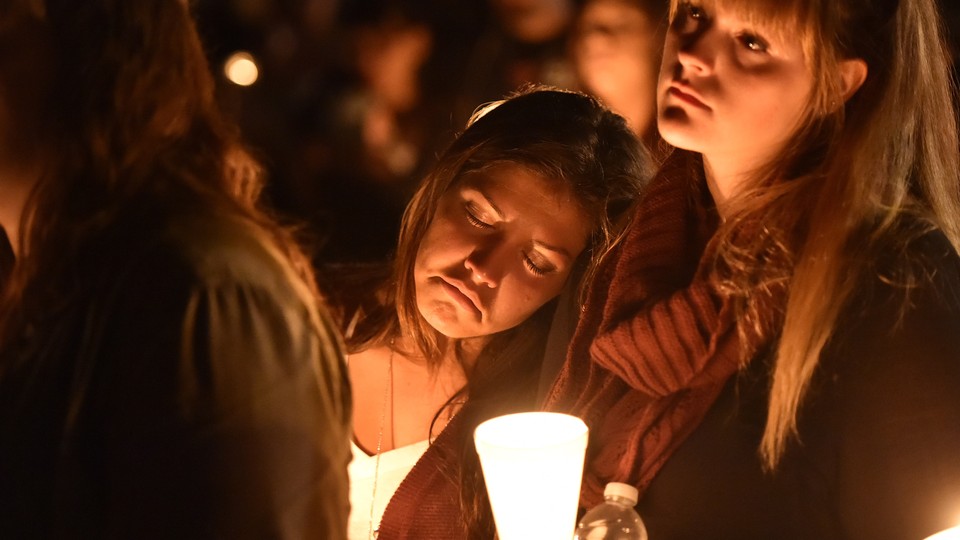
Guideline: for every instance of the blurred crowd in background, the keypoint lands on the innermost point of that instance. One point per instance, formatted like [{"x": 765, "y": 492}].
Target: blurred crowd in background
[{"x": 347, "y": 102}]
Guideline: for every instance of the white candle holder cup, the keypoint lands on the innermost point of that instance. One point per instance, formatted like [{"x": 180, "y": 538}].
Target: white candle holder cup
[
  {"x": 532, "y": 465},
  {"x": 949, "y": 534}
]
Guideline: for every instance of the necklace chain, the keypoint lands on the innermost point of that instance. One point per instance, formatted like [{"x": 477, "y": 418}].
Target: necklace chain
[{"x": 387, "y": 398}]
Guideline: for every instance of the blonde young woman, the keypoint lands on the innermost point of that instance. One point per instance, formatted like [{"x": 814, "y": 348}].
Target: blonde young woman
[
  {"x": 456, "y": 331},
  {"x": 774, "y": 351}
]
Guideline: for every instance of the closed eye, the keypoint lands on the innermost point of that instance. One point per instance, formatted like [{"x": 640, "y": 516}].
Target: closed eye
[
  {"x": 532, "y": 266},
  {"x": 474, "y": 217},
  {"x": 538, "y": 264}
]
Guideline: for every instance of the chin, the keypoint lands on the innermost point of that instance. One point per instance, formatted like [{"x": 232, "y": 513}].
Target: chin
[
  {"x": 679, "y": 134},
  {"x": 447, "y": 322},
  {"x": 453, "y": 332}
]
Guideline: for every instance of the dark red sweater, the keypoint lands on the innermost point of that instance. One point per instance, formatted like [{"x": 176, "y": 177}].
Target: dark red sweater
[
  {"x": 427, "y": 503},
  {"x": 654, "y": 345}
]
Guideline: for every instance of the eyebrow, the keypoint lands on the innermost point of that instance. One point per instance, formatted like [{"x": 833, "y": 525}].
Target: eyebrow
[
  {"x": 556, "y": 249},
  {"x": 543, "y": 245},
  {"x": 492, "y": 204}
]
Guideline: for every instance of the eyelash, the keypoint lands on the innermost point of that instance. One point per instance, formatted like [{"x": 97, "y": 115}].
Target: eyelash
[
  {"x": 532, "y": 266},
  {"x": 474, "y": 220}
]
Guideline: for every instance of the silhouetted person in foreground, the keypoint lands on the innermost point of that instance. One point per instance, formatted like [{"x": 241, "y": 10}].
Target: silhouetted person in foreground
[{"x": 166, "y": 368}]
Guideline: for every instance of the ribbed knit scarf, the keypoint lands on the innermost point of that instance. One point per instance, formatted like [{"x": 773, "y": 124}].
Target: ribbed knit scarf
[{"x": 654, "y": 346}]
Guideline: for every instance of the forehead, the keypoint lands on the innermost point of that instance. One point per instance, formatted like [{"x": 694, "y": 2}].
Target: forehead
[
  {"x": 544, "y": 205},
  {"x": 517, "y": 183}
]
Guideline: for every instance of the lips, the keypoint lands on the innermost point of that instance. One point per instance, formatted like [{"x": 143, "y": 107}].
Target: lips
[
  {"x": 687, "y": 96},
  {"x": 461, "y": 294}
]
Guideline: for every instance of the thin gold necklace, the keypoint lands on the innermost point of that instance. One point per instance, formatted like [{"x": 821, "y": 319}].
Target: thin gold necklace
[{"x": 387, "y": 398}]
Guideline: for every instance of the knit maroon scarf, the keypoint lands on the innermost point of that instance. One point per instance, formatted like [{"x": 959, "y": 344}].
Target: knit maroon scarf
[{"x": 655, "y": 345}]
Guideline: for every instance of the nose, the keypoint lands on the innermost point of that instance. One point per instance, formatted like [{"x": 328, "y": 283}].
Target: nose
[
  {"x": 483, "y": 268},
  {"x": 696, "y": 51}
]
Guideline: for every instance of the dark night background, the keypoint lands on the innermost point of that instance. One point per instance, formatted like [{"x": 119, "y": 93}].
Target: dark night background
[{"x": 356, "y": 97}]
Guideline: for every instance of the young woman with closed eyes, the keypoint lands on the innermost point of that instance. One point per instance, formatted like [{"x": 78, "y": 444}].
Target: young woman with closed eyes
[{"x": 523, "y": 199}]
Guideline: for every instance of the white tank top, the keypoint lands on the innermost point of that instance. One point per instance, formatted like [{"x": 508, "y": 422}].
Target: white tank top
[{"x": 394, "y": 466}]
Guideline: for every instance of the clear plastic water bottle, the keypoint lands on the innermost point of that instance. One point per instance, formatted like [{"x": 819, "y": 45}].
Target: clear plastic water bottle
[{"x": 614, "y": 518}]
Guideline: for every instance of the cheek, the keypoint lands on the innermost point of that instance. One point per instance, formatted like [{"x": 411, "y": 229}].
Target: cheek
[
  {"x": 523, "y": 295},
  {"x": 668, "y": 60},
  {"x": 775, "y": 111},
  {"x": 647, "y": 65},
  {"x": 664, "y": 77},
  {"x": 442, "y": 243}
]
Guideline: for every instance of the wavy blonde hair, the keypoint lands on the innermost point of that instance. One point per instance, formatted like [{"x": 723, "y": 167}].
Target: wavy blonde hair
[{"x": 834, "y": 197}]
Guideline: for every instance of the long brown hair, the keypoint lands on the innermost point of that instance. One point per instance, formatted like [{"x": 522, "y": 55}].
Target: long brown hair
[
  {"x": 562, "y": 135},
  {"x": 836, "y": 196},
  {"x": 132, "y": 118},
  {"x": 565, "y": 136}
]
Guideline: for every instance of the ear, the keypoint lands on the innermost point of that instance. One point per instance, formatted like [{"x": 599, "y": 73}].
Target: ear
[{"x": 853, "y": 71}]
